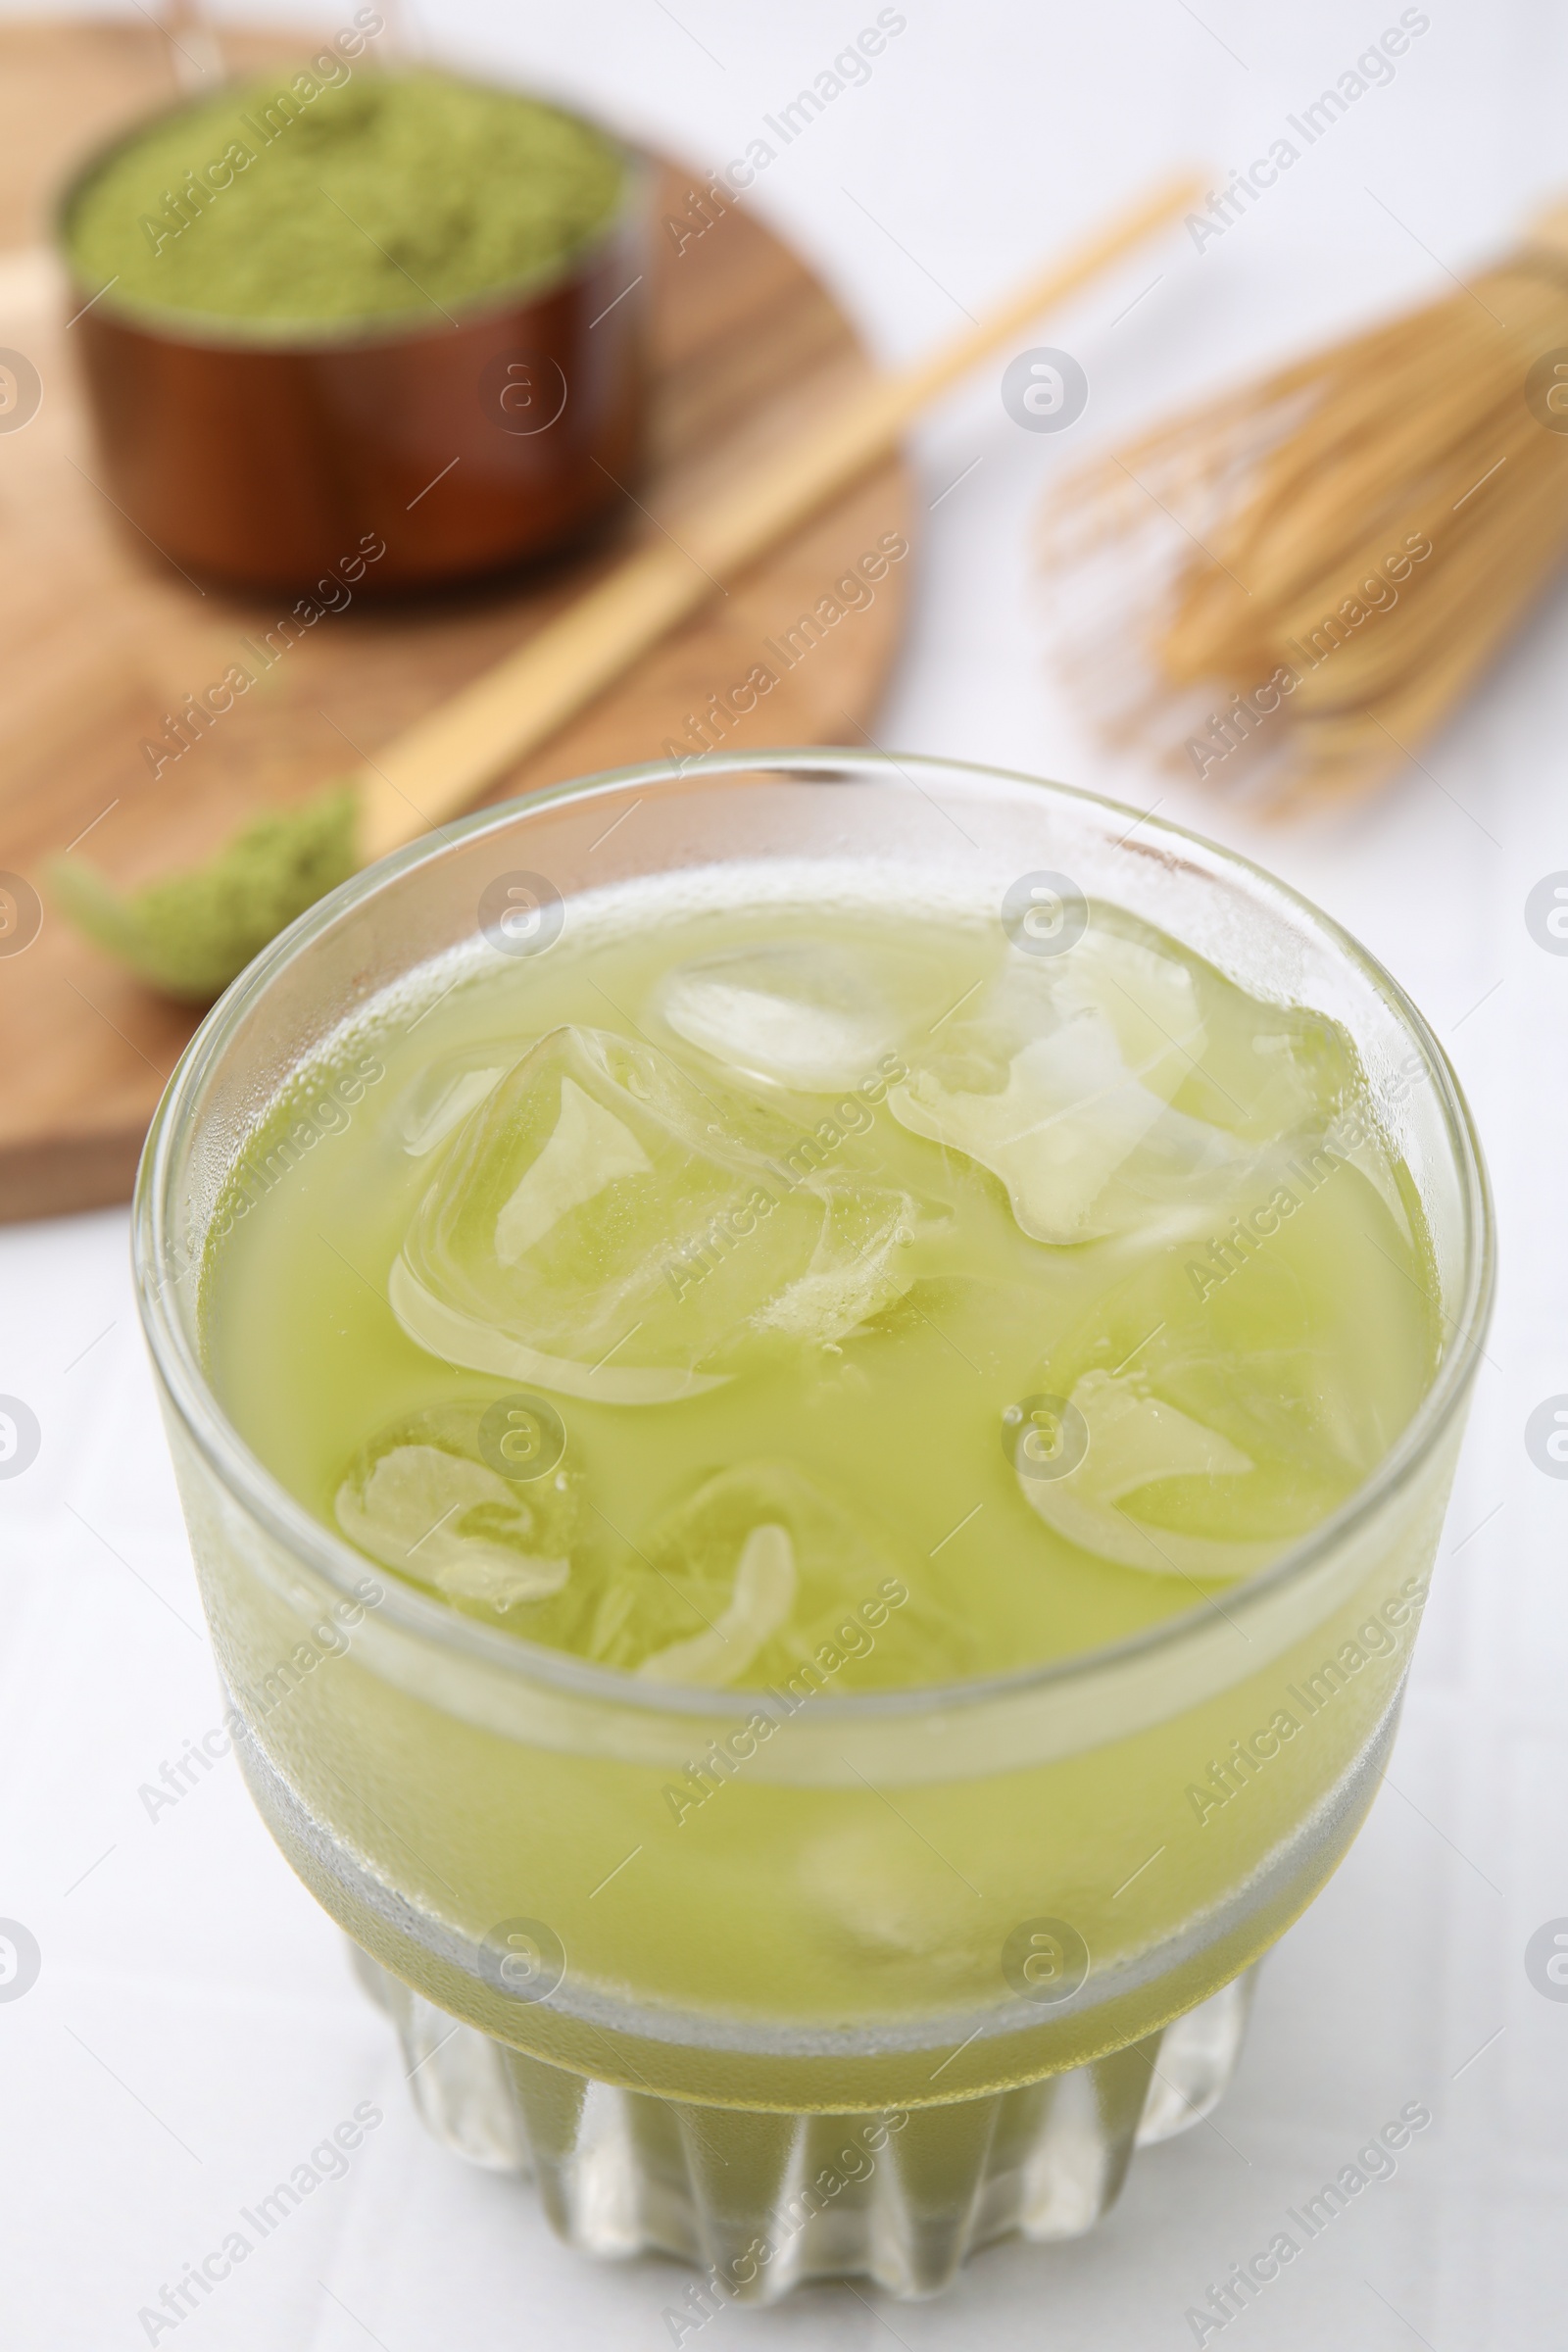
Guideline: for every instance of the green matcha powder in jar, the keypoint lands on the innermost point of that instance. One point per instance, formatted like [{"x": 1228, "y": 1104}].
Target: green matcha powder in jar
[{"x": 314, "y": 200}]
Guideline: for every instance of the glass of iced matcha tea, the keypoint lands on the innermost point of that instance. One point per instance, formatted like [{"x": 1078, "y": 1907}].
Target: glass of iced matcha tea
[{"x": 814, "y": 1399}]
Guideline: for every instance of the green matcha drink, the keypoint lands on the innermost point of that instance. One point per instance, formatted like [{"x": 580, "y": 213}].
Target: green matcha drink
[
  {"x": 815, "y": 1459},
  {"x": 827, "y": 1252},
  {"x": 787, "y": 1297}
]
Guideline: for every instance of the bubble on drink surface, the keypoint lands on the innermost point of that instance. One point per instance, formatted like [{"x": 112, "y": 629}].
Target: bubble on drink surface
[
  {"x": 421, "y": 1499},
  {"x": 819, "y": 1016},
  {"x": 761, "y": 1576},
  {"x": 1059, "y": 1082},
  {"x": 604, "y": 1227}
]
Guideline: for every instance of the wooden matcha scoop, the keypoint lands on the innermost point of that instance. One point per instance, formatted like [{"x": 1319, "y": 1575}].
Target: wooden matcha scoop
[{"x": 188, "y": 936}]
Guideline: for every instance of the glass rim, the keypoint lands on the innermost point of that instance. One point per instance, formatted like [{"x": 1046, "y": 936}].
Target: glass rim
[{"x": 310, "y": 1540}]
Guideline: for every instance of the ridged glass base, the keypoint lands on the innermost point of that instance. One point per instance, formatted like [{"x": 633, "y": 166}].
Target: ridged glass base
[{"x": 760, "y": 2203}]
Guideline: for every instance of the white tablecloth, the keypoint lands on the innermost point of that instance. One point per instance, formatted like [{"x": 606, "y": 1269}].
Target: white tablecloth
[{"x": 194, "y": 2032}]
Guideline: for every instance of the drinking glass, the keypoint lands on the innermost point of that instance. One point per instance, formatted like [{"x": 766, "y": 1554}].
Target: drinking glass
[{"x": 929, "y": 1963}]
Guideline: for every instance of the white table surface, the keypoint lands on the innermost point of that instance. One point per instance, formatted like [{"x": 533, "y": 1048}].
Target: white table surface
[{"x": 194, "y": 2031}]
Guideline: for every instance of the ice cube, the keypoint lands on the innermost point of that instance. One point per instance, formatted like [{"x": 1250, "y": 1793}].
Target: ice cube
[
  {"x": 1063, "y": 1073},
  {"x": 588, "y": 1149},
  {"x": 1354, "y": 1134},
  {"x": 760, "y": 1602},
  {"x": 604, "y": 1226},
  {"x": 1133, "y": 1440},
  {"x": 1150, "y": 1000},
  {"x": 419, "y": 1499},
  {"x": 857, "y": 1269},
  {"x": 812, "y": 1016},
  {"x": 894, "y": 1907},
  {"x": 439, "y": 1100},
  {"x": 762, "y": 1576}
]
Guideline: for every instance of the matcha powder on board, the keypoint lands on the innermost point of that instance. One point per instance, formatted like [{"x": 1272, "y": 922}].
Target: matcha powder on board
[{"x": 377, "y": 195}]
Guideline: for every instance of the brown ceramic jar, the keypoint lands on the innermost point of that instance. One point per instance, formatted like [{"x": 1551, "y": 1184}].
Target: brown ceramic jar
[{"x": 267, "y": 456}]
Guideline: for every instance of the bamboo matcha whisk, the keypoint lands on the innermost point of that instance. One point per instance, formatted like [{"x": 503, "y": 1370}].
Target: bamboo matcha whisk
[{"x": 1346, "y": 542}]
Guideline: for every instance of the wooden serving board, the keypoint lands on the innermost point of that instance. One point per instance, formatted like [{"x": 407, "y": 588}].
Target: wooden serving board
[{"x": 99, "y": 639}]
